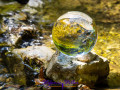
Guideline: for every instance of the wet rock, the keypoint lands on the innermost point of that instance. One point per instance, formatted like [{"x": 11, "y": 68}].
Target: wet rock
[
  {"x": 29, "y": 10},
  {"x": 35, "y": 55},
  {"x": 83, "y": 87},
  {"x": 20, "y": 72},
  {"x": 17, "y": 32},
  {"x": 62, "y": 67},
  {"x": 35, "y": 3},
  {"x": 20, "y": 16}
]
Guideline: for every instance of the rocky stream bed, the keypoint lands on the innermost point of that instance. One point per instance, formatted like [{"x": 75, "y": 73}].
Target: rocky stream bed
[{"x": 28, "y": 54}]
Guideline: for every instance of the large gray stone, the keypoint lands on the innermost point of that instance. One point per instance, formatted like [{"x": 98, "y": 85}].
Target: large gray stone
[
  {"x": 35, "y": 54},
  {"x": 89, "y": 69}
]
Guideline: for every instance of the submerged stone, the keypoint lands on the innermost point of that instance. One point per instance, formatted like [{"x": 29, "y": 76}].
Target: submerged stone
[{"x": 74, "y": 33}]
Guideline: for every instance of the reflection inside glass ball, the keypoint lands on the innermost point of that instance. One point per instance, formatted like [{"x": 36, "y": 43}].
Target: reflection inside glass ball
[{"x": 74, "y": 33}]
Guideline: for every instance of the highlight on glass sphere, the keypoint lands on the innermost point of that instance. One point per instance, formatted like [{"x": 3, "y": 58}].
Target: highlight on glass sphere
[{"x": 74, "y": 33}]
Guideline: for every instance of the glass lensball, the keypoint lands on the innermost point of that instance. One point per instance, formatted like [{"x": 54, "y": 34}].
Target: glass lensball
[{"x": 74, "y": 33}]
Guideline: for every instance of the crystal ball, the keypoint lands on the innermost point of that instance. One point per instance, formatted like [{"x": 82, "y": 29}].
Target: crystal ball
[{"x": 74, "y": 33}]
